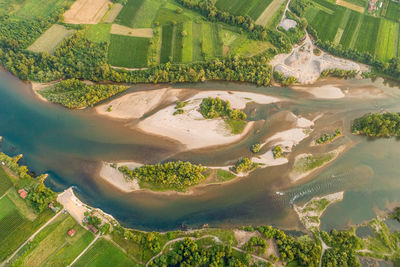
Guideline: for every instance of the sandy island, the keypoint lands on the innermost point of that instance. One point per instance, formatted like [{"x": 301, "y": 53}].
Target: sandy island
[
  {"x": 192, "y": 130},
  {"x": 311, "y": 212},
  {"x": 286, "y": 139},
  {"x": 116, "y": 178}
]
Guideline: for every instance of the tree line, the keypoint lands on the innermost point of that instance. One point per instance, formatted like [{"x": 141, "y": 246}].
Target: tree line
[{"x": 377, "y": 125}]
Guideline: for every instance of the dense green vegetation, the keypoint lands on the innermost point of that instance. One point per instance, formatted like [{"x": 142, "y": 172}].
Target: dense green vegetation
[
  {"x": 277, "y": 152},
  {"x": 127, "y": 51},
  {"x": 379, "y": 125},
  {"x": 284, "y": 81},
  {"x": 244, "y": 165},
  {"x": 255, "y": 148},
  {"x": 73, "y": 93},
  {"x": 311, "y": 162},
  {"x": 252, "y": 8},
  {"x": 167, "y": 176},
  {"x": 346, "y": 74},
  {"x": 342, "y": 253},
  {"x": 327, "y": 138}
]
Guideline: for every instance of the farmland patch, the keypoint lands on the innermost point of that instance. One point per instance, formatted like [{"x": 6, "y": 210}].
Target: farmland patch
[
  {"x": 368, "y": 34},
  {"x": 166, "y": 53},
  {"x": 113, "y": 13},
  {"x": 98, "y": 33},
  {"x": 128, "y": 52},
  {"x": 252, "y": 8},
  {"x": 351, "y": 6},
  {"x": 269, "y": 12},
  {"x": 187, "y": 43},
  {"x": 123, "y": 30},
  {"x": 50, "y": 39},
  {"x": 128, "y": 12},
  {"x": 146, "y": 14},
  {"x": 86, "y": 11},
  {"x": 5, "y": 182},
  {"x": 41, "y": 8},
  {"x": 393, "y": 11},
  {"x": 104, "y": 253},
  {"x": 385, "y": 45}
]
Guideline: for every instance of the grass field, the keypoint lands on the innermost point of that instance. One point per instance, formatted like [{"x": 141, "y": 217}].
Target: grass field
[
  {"x": 146, "y": 14},
  {"x": 177, "y": 43},
  {"x": 41, "y": 8},
  {"x": 5, "y": 182},
  {"x": 113, "y": 13},
  {"x": 53, "y": 247},
  {"x": 393, "y": 11},
  {"x": 128, "y": 52},
  {"x": 386, "y": 46},
  {"x": 15, "y": 229},
  {"x": 206, "y": 44},
  {"x": 187, "y": 43},
  {"x": 167, "y": 35},
  {"x": 367, "y": 37},
  {"x": 352, "y": 6},
  {"x": 50, "y": 39},
  {"x": 129, "y": 11},
  {"x": 196, "y": 41},
  {"x": 351, "y": 30},
  {"x": 253, "y": 8},
  {"x": 104, "y": 253},
  {"x": 98, "y": 33},
  {"x": 362, "y": 3},
  {"x": 270, "y": 13}
]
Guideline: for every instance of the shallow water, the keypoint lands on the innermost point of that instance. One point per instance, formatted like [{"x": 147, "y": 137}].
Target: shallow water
[{"x": 70, "y": 144}]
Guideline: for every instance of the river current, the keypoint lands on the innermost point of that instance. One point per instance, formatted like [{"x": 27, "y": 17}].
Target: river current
[{"x": 69, "y": 145}]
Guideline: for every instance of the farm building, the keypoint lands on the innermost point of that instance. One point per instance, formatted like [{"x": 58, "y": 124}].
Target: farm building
[
  {"x": 22, "y": 193},
  {"x": 93, "y": 229},
  {"x": 71, "y": 232}
]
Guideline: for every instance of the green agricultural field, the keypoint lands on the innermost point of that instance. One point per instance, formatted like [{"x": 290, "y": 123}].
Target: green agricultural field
[
  {"x": 167, "y": 16},
  {"x": 5, "y": 182},
  {"x": 386, "y": 46},
  {"x": 50, "y": 39},
  {"x": 206, "y": 43},
  {"x": 41, "y": 8},
  {"x": 368, "y": 34},
  {"x": 253, "y": 8},
  {"x": 187, "y": 43},
  {"x": 196, "y": 41},
  {"x": 246, "y": 47},
  {"x": 393, "y": 11},
  {"x": 6, "y": 207},
  {"x": 104, "y": 253},
  {"x": 351, "y": 30},
  {"x": 9, "y": 6},
  {"x": 98, "y": 33},
  {"x": 146, "y": 14},
  {"x": 129, "y": 11},
  {"x": 53, "y": 247},
  {"x": 15, "y": 229},
  {"x": 167, "y": 36},
  {"x": 216, "y": 40},
  {"x": 177, "y": 43},
  {"x": 128, "y": 52}
]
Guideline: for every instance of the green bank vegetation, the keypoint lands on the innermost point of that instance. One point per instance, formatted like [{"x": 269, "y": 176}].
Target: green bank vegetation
[
  {"x": 277, "y": 152},
  {"x": 377, "y": 125},
  {"x": 327, "y": 138},
  {"x": 255, "y": 148},
  {"x": 244, "y": 165},
  {"x": 73, "y": 93},
  {"x": 310, "y": 162}
]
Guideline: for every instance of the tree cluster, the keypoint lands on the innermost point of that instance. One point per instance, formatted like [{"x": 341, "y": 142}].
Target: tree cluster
[
  {"x": 244, "y": 165},
  {"x": 171, "y": 175},
  {"x": 378, "y": 125},
  {"x": 256, "y": 244},
  {"x": 73, "y": 93},
  {"x": 325, "y": 138},
  {"x": 284, "y": 81},
  {"x": 277, "y": 152},
  {"x": 212, "y": 108}
]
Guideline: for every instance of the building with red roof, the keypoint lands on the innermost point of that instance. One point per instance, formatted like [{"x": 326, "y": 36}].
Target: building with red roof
[
  {"x": 71, "y": 232},
  {"x": 22, "y": 193}
]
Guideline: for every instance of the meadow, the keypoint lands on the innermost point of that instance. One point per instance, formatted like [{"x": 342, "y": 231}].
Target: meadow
[
  {"x": 50, "y": 39},
  {"x": 98, "y": 33},
  {"x": 167, "y": 35},
  {"x": 128, "y": 52},
  {"x": 146, "y": 14},
  {"x": 386, "y": 48},
  {"x": 104, "y": 253},
  {"x": 53, "y": 246},
  {"x": 252, "y": 8}
]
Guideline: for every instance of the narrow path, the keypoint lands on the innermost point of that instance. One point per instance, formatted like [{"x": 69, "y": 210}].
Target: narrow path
[
  {"x": 324, "y": 247},
  {"x": 284, "y": 14},
  {"x": 121, "y": 248},
  {"x": 83, "y": 252},
  {"x": 8, "y": 190},
  {"x": 30, "y": 238},
  {"x": 216, "y": 239}
]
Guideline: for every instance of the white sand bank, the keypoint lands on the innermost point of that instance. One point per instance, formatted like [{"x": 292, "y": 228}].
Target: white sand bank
[
  {"x": 269, "y": 160},
  {"x": 192, "y": 130},
  {"x": 135, "y": 105},
  {"x": 116, "y": 178},
  {"x": 72, "y": 204},
  {"x": 323, "y": 92}
]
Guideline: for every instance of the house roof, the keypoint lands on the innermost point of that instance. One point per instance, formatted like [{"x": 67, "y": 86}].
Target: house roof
[{"x": 71, "y": 232}]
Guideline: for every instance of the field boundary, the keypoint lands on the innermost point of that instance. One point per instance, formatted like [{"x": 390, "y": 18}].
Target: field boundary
[
  {"x": 123, "y": 30},
  {"x": 113, "y": 13},
  {"x": 350, "y": 6},
  {"x": 86, "y": 11}
]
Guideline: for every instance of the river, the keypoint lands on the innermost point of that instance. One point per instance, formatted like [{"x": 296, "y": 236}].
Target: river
[{"x": 70, "y": 144}]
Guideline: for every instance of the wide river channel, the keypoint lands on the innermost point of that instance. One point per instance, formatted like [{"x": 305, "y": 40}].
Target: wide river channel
[{"x": 71, "y": 144}]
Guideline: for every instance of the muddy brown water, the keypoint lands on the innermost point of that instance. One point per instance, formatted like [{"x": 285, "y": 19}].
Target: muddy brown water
[{"x": 70, "y": 144}]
